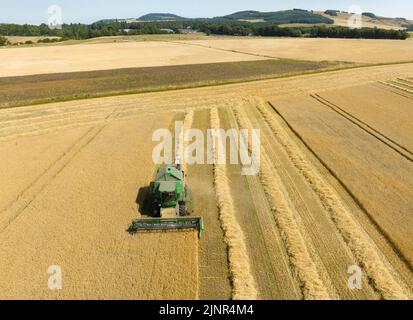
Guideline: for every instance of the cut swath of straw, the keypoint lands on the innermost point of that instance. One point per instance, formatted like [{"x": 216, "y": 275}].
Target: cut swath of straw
[
  {"x": 360, "y": 243},
  {"x": 284, "y": 214},
  {"x": 243, "y": 283}
]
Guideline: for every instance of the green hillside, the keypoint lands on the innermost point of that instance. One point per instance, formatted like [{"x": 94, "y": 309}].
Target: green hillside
[
  {"x": 280, "y": 17},
  {"x": 161, "y": 17}
]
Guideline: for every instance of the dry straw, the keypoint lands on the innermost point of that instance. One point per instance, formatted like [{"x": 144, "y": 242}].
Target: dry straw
[
  {"x": 285, "y": 217},
  {"x": 243, "y": 283},
  {"x": 364, "y": 249},
  {"x": 188, "y": 122}
]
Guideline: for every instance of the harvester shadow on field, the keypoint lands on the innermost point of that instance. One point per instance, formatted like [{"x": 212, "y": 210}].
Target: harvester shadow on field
[
  {"x": 144, "y": 206},
  {"x": 144, "y": 202}
]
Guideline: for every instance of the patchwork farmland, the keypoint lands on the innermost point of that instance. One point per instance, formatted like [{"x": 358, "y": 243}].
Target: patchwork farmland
[{"x": 334, "y": 190}]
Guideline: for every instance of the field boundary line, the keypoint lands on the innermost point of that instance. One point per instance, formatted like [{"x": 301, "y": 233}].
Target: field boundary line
[
  {"x": 243, "y": 282},
  {"x": 225, "y": 50},
  {"x": 357, "y": 201},
  {"x": 362, "y": 125}
]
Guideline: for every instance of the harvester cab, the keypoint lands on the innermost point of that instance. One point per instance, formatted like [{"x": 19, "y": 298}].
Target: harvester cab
[{"x": 170, "y": 201}]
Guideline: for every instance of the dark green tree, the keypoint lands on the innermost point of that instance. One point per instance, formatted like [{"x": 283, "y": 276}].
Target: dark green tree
[{"x": 3, "y": 41}]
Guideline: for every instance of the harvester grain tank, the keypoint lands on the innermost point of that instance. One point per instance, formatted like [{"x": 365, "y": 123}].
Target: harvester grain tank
[{"x": 170, "y": 202}]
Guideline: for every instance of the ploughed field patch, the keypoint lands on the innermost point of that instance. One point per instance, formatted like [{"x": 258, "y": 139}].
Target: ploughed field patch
[{"x": 35, "y": 89}]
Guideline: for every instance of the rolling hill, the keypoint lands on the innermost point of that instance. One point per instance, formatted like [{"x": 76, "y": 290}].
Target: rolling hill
[
  {"x": 370, "y": 20},
  {"x": 280, "y": 17},
  {"x": 285, "y": 18},
  {"x": 161, "y": 17}
]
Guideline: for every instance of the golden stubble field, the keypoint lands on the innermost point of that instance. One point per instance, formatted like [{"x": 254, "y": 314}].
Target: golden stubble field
[
  {"x": 105, "y": 56},
  {"x": 75, "y": 210},
  {"x": 164, "y": 51},
  {"x": 351, "y": 50},
  {"x": 330, "y": 194},
  {"x": 334, "y": 191}
]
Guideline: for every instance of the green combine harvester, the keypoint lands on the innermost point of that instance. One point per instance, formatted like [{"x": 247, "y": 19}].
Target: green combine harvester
[{"x": 170, "y": 201}]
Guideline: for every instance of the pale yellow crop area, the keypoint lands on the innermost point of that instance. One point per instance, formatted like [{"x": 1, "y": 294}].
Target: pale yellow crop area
[
  {"x": 334, "y": 187},
  {"x": 104, "y": 56},
  {"x": 352, "y": 50},
  {"x": 334, "y": 190}
]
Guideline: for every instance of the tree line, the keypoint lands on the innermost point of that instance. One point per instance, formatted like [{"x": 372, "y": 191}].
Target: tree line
[
  {"x": 218, "y": 27},
  {"x": 334, "y": 32},
  {"x": 312, "y": 31},
  {"x": 3, "y": 41}
]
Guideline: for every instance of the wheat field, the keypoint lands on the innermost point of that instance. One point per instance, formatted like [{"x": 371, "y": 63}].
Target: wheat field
[
  {"x": 350, "y": 50},
  {"x": 334, "y": 188}
]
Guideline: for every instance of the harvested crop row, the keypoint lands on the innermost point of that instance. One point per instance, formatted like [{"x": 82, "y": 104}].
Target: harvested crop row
[
  {"x": 181, "y": 157},
  {"x": 188, "y": 122},
  {"x": 44, "y": 127},
  {"x": 402, "y": 85},
  {"x": 396, "y": 86},
  {"x": 389, "y": 142},
  {"x": 244, "y": 286},
  {"x": 405, "y": 82},
  {"x": 375, "y": 264},
  {"x": 284, "y": 214}
]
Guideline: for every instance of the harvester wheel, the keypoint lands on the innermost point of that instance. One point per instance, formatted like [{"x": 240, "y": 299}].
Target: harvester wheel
[{"x": 157, "y": 212}]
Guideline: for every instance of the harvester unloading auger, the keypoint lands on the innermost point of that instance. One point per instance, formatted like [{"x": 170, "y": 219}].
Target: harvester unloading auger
[{"x": 170, "y": 200}]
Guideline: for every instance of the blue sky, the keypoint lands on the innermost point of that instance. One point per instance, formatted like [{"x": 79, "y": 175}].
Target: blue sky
[{"x": 86, "y": 11}]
